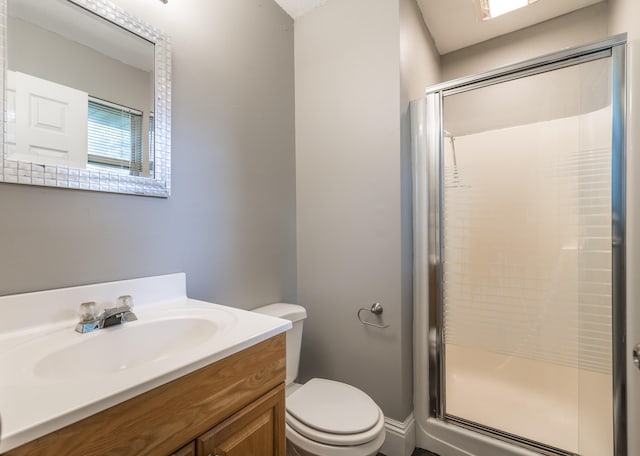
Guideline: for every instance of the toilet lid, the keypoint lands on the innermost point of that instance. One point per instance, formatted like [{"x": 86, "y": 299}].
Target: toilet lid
[{"x": 333, "y": 407}]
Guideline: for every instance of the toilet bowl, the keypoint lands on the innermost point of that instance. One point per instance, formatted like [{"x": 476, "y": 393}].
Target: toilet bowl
[{"x": 324, "y": 417}]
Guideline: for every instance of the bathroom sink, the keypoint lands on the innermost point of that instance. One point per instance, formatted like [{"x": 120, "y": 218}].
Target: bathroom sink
[
  {"x": 52, "y": 376},
  {"x": 127, "y": 346}
]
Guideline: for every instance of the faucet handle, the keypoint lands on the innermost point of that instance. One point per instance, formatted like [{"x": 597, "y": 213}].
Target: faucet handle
[
  {"x": 89, "y": 319},
  {"x": 125, "y": 301},
  {"x": 88, "y": 311}
]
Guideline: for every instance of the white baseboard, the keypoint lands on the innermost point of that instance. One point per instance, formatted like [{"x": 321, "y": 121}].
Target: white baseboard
[{"x": 401, "y": 437}]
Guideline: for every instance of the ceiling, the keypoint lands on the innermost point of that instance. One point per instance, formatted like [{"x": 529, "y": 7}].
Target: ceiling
[
  {"x": 454, "y": 24},
  {"x": 297, "y": 8}
]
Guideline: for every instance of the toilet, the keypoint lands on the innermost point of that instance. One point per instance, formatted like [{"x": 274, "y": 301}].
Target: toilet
[{"x": 324, "y": 417}]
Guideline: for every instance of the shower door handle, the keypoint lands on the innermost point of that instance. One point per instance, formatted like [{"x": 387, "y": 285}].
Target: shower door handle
[{"x": 636, "y": 355}]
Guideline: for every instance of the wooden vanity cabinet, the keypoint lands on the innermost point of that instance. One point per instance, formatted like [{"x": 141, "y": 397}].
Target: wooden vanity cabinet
[
  {"x": 256, "y": 430},
  {"x": 233, "y": 407},
  {"x": 189, "y": 450}
]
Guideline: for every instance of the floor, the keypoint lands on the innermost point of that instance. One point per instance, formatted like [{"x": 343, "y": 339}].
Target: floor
[
  {"x": 418, "y": 452},
  {"x": 551, "y": 400}
]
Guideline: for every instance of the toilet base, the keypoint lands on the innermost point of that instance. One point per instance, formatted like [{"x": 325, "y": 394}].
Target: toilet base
[
  {"x": 319, "y": 449},
  {"x": 293, "y": 451}
]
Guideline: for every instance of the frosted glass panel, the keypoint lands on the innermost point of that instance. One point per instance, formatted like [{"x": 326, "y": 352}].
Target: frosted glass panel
[{"x": 526, "y": 254}]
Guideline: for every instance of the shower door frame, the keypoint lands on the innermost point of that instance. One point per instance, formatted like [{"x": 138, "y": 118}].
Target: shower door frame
[{"x": 428, "y": 238}]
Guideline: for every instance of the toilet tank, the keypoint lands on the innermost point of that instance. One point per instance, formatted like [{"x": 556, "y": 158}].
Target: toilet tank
[{"x": 296, "y": 314}]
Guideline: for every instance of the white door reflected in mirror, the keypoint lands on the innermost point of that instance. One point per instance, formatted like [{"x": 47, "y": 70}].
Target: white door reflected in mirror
[{"x": 50, "y": 122}]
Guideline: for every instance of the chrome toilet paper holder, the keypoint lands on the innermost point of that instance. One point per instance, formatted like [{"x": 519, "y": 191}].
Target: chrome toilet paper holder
[{"x": 376, "y": 309}]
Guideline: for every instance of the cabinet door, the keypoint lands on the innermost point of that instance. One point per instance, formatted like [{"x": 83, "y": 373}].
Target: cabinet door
[
  {"x": 256, "y": 430},
  {"x": 189, "y": 450}
]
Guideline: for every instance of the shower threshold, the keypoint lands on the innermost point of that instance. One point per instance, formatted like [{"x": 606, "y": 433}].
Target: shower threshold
[{"x": 507, "y": 437}]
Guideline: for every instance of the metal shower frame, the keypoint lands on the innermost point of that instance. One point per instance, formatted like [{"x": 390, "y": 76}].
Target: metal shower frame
[{"x": 615, "y": 48}]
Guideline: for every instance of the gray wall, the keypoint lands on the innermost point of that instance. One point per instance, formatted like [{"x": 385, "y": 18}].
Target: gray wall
[
  {"x": 47, "y": 55},
  {"x": 354, "y": 243},
  {"x": 230, "y": 222}
]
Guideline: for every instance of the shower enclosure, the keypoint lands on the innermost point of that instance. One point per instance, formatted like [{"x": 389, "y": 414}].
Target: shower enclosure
[{"x": 519, "y": 238}]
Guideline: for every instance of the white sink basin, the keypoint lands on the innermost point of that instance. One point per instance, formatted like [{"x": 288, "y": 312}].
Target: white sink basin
[{"x": 125, "y": 346}]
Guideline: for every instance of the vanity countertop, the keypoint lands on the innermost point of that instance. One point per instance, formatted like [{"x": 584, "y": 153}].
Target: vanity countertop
[{"x": 52, "y": 376}]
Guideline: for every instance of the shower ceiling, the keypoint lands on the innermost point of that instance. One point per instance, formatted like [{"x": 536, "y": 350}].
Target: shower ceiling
[{"x": 455, "y": 24}]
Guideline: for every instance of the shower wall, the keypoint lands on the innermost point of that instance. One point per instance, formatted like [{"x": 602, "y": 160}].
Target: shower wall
[{"x": 527, "y": 268}]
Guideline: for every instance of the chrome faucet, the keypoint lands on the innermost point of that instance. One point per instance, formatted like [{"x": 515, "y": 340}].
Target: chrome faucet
[{"x": 90, "y": 320}]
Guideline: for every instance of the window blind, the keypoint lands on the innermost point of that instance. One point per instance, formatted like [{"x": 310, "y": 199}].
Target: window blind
[
  {"x": 115, "y": 136},
  {"x": 152, "y": 143}
]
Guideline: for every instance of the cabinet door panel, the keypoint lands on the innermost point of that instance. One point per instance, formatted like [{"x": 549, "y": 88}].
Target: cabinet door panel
[{"x": 256, "y": 430}]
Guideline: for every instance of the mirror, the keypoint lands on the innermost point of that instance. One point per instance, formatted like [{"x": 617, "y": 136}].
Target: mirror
[{"x": 87, "y": 98}]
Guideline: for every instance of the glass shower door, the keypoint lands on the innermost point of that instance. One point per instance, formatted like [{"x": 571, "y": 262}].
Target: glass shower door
[{"x": 526, "y": 259}]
